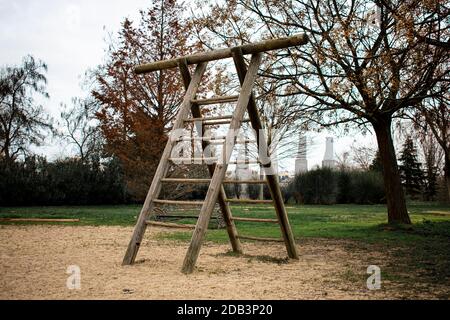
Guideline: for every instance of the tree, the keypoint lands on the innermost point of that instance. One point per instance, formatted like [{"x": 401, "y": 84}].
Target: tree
[
  {"x": 410, "y": 169},
  {"x": 353, "y": 71},
  {"x": 80, "y": 128},
  {"x": 433, "y": 115},
  {"x": 22, "y": 122},
  {"x": 136, "y": 111},
  {"x": 363, "y": 156},
  {"x": 376, "y": 163}
]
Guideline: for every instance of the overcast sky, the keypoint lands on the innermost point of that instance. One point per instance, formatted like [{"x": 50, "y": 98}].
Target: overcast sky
[{"x": 69, "y": 37}]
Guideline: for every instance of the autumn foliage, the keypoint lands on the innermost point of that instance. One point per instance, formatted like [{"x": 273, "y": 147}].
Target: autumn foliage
[{"x": 136, "y": 110}]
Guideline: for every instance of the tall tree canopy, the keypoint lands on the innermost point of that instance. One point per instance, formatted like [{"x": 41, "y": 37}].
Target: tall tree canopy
[
  {"x": 22, "y": 121},
  {"x": 136, "y": 111},
  {"x": 361, "y": 66}
]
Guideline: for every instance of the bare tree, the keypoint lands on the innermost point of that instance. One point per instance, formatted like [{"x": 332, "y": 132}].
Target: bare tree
[
  {"x": 362, "y": 156},
  {"x": 22, "y": 121},
  {"x": 80, "y": 128},
  {"x": 432, "y": 116},
  {"x": 353, "y": 71}
]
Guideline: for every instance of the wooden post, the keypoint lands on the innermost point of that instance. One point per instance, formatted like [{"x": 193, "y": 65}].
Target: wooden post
[
  {"x": 161, "y": 171},
  {"x": 219, "y": 173},
  {"x": 272, "y": 179},
  {"x": 225, "y": 209}
]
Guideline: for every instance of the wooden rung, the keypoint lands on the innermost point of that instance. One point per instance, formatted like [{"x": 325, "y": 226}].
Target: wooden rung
[
  {"x": 211, "y": 121},
  {"x": 214, "y": 123},
  {"x": 179, "y": 202},
  {"x": 170, "y": 225},
  {"x": 205, "y": 181},
  {"x": 209, "y": 139},
  {"x": 261, "y": 239},
  {"x": 245, "y": 181},
  {"x": 255, "y": 220},
  {"x": 191, "y": 160},
  {"x": 185, "y": 180},
  {"x": 248, "y": 201},
  {"x": 222, "y": 141},
  {"x": 215, "y": 140},
  {"x": 209, "y": 118},
  {"x": 243, "y": 162},
  {"x": 215, "y": 100},
  {"x": 175, "y": 216}
]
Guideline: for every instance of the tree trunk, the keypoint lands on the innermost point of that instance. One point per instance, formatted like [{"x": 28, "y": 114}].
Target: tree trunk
[
  {"x": 396, "y": 204},
  {"x": 447, "y": 173}
]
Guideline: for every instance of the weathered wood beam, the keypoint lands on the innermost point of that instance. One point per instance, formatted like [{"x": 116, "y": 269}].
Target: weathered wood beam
[
  {"x": 216, "y": 100},
  {"x": 170, "y": 225},
  {"x": 251, "y": 48},
  {"x": 261, "y": 239},
  {"x": 178, "y": 202}
]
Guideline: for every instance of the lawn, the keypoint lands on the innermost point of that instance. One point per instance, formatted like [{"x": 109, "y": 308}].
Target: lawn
[{"x": 357, "y": 222}]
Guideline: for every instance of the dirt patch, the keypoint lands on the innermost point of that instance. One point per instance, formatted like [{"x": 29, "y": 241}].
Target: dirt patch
[{"x": 34, "y": 260}]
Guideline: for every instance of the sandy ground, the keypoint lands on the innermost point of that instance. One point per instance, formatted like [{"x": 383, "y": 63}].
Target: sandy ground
[{"x": 34, "y": 260}]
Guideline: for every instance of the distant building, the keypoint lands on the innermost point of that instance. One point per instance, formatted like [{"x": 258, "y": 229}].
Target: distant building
[
  {"x": 328, "y": 159},
  {"x": 301, "y": 163}
]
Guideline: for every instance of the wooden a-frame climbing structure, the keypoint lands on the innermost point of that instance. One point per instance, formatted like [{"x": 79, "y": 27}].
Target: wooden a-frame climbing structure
[{"x": 216, "y": 192}]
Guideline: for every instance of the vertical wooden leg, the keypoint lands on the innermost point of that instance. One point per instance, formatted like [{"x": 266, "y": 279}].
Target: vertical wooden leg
[{"x": 272, "y": 179}]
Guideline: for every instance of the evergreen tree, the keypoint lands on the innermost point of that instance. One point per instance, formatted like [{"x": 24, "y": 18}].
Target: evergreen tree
[
  {"x": 376, "y": 163},
  {"x": 410, "y": 169},
  {"x": 430, "y": 181}
]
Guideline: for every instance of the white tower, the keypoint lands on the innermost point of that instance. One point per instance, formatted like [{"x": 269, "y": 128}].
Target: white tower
[
  {"x": 243, "y": 171},
  {"x": 328, "y": 159},
  {"x": 301, "y": 163}
]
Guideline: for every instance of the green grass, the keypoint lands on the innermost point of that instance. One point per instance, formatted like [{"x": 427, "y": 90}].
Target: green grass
[
  {"x": 88, "y": 215},
  {"x": 338, "y": 221}
]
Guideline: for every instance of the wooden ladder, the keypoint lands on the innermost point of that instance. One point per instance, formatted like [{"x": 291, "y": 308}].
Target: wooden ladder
[{"x": 217, "y": 169}]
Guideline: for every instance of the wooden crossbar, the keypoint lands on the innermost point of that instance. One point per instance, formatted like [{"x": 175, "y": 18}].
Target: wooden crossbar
[
  {"x": 215, "y": 100},
  {"x": 205, "y": 181},
  {"x": 170, "y": 225},
  {"x": 251, "y": 48},
  {"x": 179, "y": 202},
  {"x": 261, "y": 239}
]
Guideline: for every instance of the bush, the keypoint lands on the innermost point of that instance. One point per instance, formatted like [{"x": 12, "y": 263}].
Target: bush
[
  {"x": 327, "y": 186},
  {"x": 35, "y": 181},
  {"x": 367, "y": 188}
]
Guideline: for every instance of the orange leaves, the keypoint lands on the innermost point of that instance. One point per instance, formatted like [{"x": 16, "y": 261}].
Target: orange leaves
[{"x": 137, "y": 111}]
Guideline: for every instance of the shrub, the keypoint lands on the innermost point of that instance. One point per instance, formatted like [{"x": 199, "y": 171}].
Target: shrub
[{"x": 327, "y": 186}]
